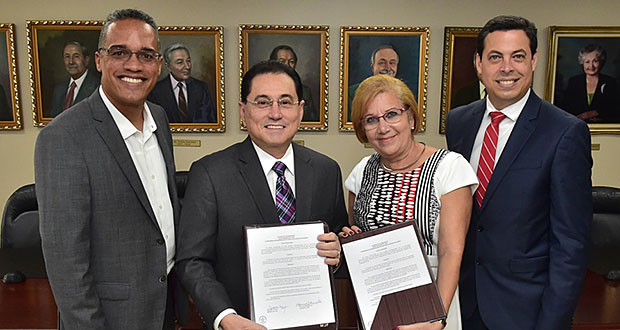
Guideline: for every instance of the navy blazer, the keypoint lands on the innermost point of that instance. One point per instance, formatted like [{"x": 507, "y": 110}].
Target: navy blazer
[
  {"x": 526, "y": 250},
  {"x": 227, "y": 190},
  {"x": 200, "y": 108}
]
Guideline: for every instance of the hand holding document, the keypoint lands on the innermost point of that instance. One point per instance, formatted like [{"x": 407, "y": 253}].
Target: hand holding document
[
  {"x": 289, "y": 283},
  {"x": 389, "y": 270}
]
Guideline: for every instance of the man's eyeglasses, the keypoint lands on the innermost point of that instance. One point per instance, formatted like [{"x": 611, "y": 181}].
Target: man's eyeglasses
[
  {"x": 392, "y": 116},
  {"x": 285, "y": 103},
  {"x": 123, "y": 54}
]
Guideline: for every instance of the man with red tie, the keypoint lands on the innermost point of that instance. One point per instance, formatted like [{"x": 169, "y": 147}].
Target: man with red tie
[
  {"x": 525, "y": 256},
  {"x": 81, "y": 83}
]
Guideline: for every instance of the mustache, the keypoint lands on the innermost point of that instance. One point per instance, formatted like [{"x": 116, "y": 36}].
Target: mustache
[{"x": 387, "y": 71}]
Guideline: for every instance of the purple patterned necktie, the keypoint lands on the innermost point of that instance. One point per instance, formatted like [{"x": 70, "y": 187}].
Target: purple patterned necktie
[{"x": 285, "y": 201}]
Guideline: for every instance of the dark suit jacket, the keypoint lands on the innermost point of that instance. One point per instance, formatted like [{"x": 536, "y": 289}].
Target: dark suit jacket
[
  {"x": 90, "y": 84},
  {"x": 228, "y": 190},
  {"x": 6, "y": 110},
  {"x": 606, "y": 100},
  {"x": 525, "y": 256},
  {"x": 200, "y": 108},
  {"x": 104, "y": 252}
]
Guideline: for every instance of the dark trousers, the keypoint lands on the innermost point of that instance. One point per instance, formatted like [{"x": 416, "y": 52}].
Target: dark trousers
[{"x": 474, "y": 322}]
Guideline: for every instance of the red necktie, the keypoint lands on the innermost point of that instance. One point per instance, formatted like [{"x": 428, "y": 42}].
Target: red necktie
[
  {"x": 182, "y": 103},
  {"x": 69, "y": 98},
  {"x": 285, "y": 201},
  {"x": 487, "y": 155}
]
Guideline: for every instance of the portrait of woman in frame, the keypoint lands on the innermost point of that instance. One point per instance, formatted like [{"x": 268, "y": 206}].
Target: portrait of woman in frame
[
  {"x": 400, "y": 52},
  {"x": 583, "y": 72},
  {"x": 10, "y": 116},
  {"x": 305, "y": 49}
]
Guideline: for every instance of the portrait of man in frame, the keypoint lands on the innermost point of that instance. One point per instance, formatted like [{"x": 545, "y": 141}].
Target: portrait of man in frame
[
  {"x": 193, "y": 58},
  {"x": 62, "y": 53},
  {"x": 401, "y": 52}
]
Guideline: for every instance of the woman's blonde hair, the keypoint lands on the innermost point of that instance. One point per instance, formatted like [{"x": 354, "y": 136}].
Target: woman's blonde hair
[{"x": 373, "y": 86}]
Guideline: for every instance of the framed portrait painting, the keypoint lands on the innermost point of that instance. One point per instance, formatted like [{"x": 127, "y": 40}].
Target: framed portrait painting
[
  {"x": 399, "y": 51},
  {"x": 305, "y": 49},
  {"x": 10, "y": 116},
  {"x": 460, "y": 83},
  {"x": 57, "y": 52},
  {"x": 583, "y": 72},
  {"x": 191, "y": 84}
]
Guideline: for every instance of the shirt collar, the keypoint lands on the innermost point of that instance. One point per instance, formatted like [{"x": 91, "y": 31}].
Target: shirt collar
[
  {"x": 175, "y": 82},
  {"x": 512, "y": 111},
  {"x": 79, "y": 80},
  {"x": 125, "y": 127},
  {"x": 267, "y": 160}
]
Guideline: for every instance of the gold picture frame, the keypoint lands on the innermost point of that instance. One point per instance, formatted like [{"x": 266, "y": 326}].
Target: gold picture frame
[
  {"x": 460, "y": 84},
  {"x": 46, "y": 42},
  {"x": 564, "y": 76},
  {"x": 10, "y": 114},
  {"x": 259, "y": 42},
  {"x": 357, "y": 45},
  {"x": 206, "y": 49}
]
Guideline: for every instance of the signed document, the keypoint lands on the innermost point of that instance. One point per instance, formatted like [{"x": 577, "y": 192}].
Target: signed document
[
  {"x": 289, "y": 283},
  {"x": 387, "y": 262}
]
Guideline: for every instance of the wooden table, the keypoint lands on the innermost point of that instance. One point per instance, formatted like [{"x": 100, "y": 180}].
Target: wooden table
[
  {"x": 599, "y": 304},
  {"x": 30, "y": 305},
  {"x": 27, "y": 305}
]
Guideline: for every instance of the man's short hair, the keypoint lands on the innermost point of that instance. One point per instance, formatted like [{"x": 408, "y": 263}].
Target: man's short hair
[
  {"x": 79, "y": 45},
  {"x": 123, "y": 14},
  {"x": 274, "y": 53},
  {"x": 267, "y": 67},
  {"x": 171, "y": 48},
  {"x": 590, "y": 48},
  {"x": 374, "y": 52},
  {"x": 507, "y": 23}
]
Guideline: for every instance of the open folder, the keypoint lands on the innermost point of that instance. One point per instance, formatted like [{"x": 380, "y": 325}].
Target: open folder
[
  {"x": 391, "y": 276},
  {"x": 290, "y": 286}
]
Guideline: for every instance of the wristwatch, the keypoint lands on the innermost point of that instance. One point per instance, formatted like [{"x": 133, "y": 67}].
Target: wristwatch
[{"x": 443, "y": 322}]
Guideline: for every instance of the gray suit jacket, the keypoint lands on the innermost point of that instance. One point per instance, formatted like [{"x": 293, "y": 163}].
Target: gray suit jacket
[
  {"x": 104, "y": 252},
  {"x": 228, "y": 190}
]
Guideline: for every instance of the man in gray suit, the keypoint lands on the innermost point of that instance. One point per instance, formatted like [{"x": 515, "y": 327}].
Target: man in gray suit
[
  {"x": 104, "y": 174},
  {"x": 238, "y": 186}
]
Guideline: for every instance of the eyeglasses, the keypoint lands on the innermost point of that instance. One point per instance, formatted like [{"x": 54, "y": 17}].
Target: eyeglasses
[
  {"x": 285, "y": 103},
  {"x": 123, "y": 54},
  {"x": 391, "y": 116}
]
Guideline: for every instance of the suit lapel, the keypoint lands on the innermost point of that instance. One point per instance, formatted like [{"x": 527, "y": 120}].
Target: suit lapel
[
  {"x": 164, "y": 145},
  {"x": 107, "y": 129},
  {"x": 523, "y": 129},
  {"x": 304, "y": 182},
  {"x": 168, "y": 94},
  {"x": 473, "y": 118},
  {"x": 252, "y": 173}
]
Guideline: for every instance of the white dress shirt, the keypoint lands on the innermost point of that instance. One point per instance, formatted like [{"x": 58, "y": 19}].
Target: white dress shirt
[
  {"x": 512, "y": 113},
  {"x": 151, "y": 166}
]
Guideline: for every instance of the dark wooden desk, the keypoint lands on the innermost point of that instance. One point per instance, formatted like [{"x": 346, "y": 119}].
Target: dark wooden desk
[
  {"x": 30, "y": 305},
  {"x": 599, "y": 304},
  {"x": 27, "y": 305}
]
